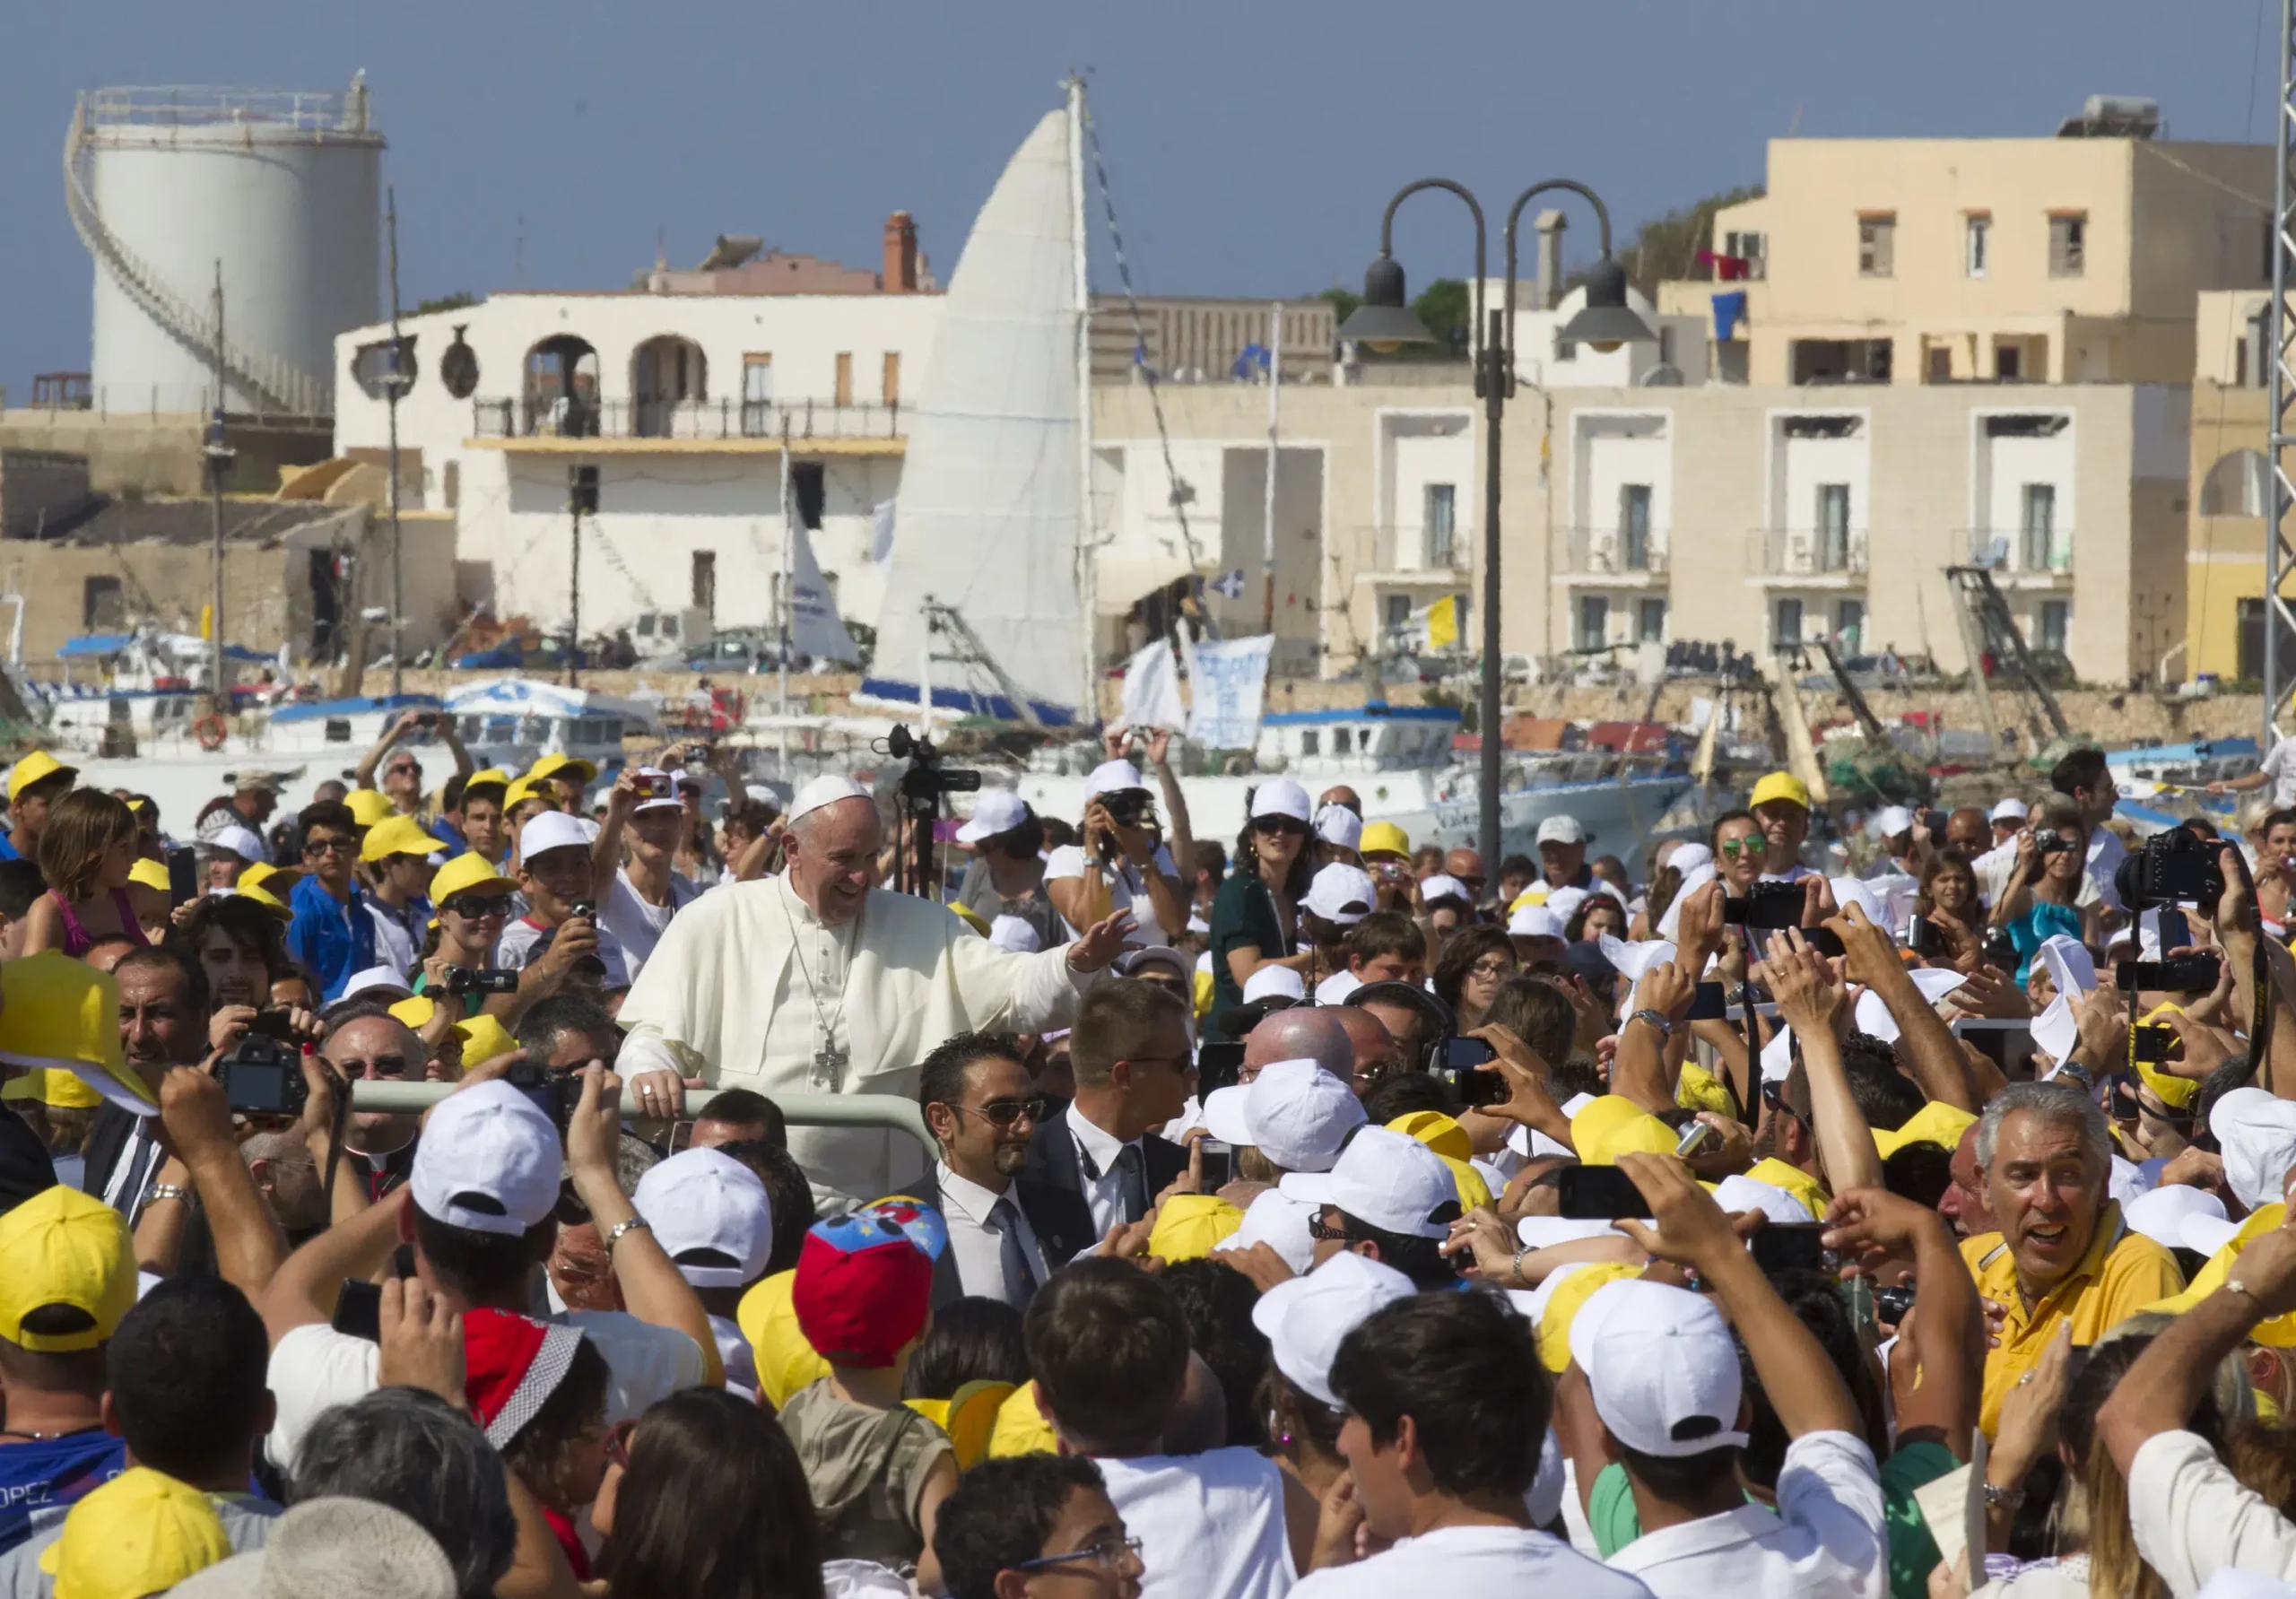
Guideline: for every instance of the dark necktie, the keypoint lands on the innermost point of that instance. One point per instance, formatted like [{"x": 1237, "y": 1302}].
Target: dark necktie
[
  {"x": 1132, "y": 1183},
  {"x": 1019, "y": 1279}
]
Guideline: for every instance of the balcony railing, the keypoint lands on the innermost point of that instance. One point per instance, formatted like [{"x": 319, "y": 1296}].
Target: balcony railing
[
  {"x": 560, "y": 416},
  {"x": 1614, "y": 551},
  {"x": 1809, "y": 551},
  {"x": 1407, "y": 549},
  {"x": 2022, "y": 552}
]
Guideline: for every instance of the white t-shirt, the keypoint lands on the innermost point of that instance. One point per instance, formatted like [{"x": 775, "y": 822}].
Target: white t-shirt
[
  {"x": 2192, "y": 1518},
  {"x": 394, "y": 947},
  {"x": 2279, "y": 766},
  {"x": 517, "y": 948},
  {"x": 1126, "y": 890},
  {"x": 315, "y": 1368},
  {"x": 1208, "y": 1523},
  {"x": 636, "y": 924},
  {"x": 1826, "y": 1542},
  {"x": 1473, "y": 1563}
]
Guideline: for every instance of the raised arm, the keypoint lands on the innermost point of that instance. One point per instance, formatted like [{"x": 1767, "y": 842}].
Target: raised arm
[
  {"x": 2017, "y": 893},
  {"x": 1640, "y": 1073},
  {"x": 1925, "y": 1042},
  {"x": 1809, "y": 1001},
  {"x": 304, "y": 1288},
  {"x": 444, "y": 725},
  {"x": 605, "y": 850},
  {"x": 196, "y": 1111},
  {"x": 396, "y": 729},
  {"x": 1872, "y": 1226},
  {"x": 1181, "y": 834}
]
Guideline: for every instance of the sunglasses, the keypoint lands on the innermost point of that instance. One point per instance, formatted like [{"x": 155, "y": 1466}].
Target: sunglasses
[
  {"x": 1004, "y": 1113},
  {"x": 477, "y": 908},
  {"x": 382, "y": 1065},
  {"x": 1329, "y": 1232},
  {"x": 1731, "y": 850},
  {"x": 1280, "y": 825},
  {"x": 329, "y": 846}
]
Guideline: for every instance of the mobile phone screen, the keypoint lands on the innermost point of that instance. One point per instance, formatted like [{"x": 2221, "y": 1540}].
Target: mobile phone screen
[{"x": 1598, "y": 1193}]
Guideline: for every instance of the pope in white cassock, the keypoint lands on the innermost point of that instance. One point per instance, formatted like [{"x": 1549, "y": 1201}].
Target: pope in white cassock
[{"x": 818, "y": 981}]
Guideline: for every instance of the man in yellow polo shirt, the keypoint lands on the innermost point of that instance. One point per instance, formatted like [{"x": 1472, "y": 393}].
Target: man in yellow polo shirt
[{"x": 2063, "y": 1253}]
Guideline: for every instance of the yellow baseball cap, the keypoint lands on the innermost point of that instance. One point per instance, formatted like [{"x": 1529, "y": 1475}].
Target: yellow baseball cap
[
  {"x": 416, "y": 1012},
  {"x": 1562, "y": 1300},
  {"x": 32, "y": 769},
  {"x": 1780, "y": 785},
  {"x": 152, "y": 874},
  {"x": 468, "y": 872},
  {"x": 141, "y": 1533},
  {"x": 51, "y": 1085},
  {"x": 484, "y": 1038},
  {"x": 396, "y": 835},
  {"x": 1935, "y": 1123},
  {"x": 1698, "y": 1088},
  {"x": 1020, "y": 1427},
  {"x": 1800, "y": 1184},
  {"x": 786, "y": 1360},
  {"x": 561, "y": 766},
  {"x": 1187, "y": 1226},
  {"x": 1383, "y": 838},
  {"x": 1614, "y": 1126},
  {"x": 2280, "y": 1332},
  {"x": 270, "y": 902},
  {"x": 370, "y": 806},
  {"x": 968, "y": 1417},
  {"x": 62, "y": 1246},
  {"x": 529, "y": 788},
  {"x": 972, "y": 919},
  {"x": 479, "y": 782},
  {"x": 2176, "y": 1092},
  {"x": 61, "y": 1012}
]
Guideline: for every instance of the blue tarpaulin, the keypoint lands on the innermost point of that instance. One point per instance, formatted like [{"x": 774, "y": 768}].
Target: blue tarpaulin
[{"x": 1729, "y": 310}]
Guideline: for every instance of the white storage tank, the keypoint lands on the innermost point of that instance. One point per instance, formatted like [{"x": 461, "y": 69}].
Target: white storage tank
[{"x": 282, "y": 187}]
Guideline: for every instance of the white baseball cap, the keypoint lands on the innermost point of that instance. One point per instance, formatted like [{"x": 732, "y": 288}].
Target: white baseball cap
[
  {"x": 1535, "y": 921},
  {"x": 1281, "y": 797},
  {"x": 552, "y": 830},
  {"x": 1438, "y": 885},
  {"x": 241, "y": 841},
  {"x": 2010, "y": 809},
  {"x": 1388, "y": 1179},
  {"x": 489, "y": 1161},
  {"x": 1341, "y": 893},
  {"x": 1281, "y": 1224},
  {"x": 1112, "y": 776},
  {"x": 1272, "y": 981},
  {"x": 1337, "y": 824},
  {"x": 1016, "y": 933},
  {"x": 1738, "y": 1193},
  {"x": 2163, "y": 1214},
  {"x": 827, "y": 789},
  {"x": 1561, "y": 829},
  {"x": 1890, "y": 821},
  {"x": 1306, "y": 1318},
  {"x": 1294, "y": 1112},
  {"x": 2256, "y": 1133},
  {"x": 650, "y": 801},
  {"x": 1661, "y": 1366},
  {"x": 1132, "y": 961},
  {"x": 387, "y": 978},
  {"x": 1565, "y": 902},
  {"x": 996, "y": 811},
  {"x": 705, "y": 1199}
]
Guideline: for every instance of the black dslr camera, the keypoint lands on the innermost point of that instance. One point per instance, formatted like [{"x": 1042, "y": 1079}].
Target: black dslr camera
[
  {"x": 554, "y": 1093},
  {"x": 2173, "y": 867},
  {"x": 262, "y": 1077}
]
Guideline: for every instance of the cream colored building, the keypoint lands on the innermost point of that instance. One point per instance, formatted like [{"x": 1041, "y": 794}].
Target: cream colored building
[{"x": 2230, "y": 492}]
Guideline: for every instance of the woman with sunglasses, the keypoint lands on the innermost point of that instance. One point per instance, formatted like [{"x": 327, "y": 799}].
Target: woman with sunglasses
[
  {"x": 474, "y": 902},
  {"x": 2042, "y": 898},
  {"x": 1255, "y": 919}
]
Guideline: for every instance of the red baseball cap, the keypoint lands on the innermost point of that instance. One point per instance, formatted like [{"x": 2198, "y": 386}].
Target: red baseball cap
[{"x": 862, "y": 1290}]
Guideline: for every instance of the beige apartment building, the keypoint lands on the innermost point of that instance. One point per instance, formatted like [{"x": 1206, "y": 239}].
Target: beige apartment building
[
  {"x": 1922, "y": 353},
  {"x": 2231, "y": 491}
]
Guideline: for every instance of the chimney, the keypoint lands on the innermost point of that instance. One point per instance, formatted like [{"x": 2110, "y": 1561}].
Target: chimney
[
  {"x": 900, "y": 274},
  {"x": 1550, "y": 224}
]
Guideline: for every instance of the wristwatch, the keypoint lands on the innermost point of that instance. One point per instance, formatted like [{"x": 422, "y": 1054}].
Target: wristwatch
[
  {"x": 1997, "y": 1498},
  {"x": 1656, "y": 1019},
  {"x": 614, "y": 1233}
]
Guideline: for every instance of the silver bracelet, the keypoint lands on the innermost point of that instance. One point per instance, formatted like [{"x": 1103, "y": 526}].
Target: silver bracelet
[
  {"x": 159, "y": 1191},
  {"x": 619, "y": 1228}
]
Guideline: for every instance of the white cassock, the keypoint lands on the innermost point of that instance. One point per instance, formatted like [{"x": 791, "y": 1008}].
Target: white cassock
[{"x": 749, "y": 989}]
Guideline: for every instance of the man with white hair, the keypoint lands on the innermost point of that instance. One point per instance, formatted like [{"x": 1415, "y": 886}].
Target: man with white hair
[{"x": 819, "y": 981}]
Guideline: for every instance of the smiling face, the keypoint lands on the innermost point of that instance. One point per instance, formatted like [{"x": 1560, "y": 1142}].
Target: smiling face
[
  {"x": 1953, "y": 888},
  {"x": 1784, "y": 826},
  {"x": 2046, "y": 1191},
  {"x": 833, "y": 858},
  {"x": 1738, "y": 850}
]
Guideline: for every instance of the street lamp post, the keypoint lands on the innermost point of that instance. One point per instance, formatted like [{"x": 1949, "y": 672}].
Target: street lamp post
[{"x": 1385, "y": 321}]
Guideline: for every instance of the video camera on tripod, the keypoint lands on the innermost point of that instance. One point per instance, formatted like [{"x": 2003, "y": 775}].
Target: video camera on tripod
[{"x": 922, "y": 789}]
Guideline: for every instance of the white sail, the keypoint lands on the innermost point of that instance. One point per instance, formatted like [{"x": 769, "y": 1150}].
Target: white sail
[{"x": 991, "y": 494}]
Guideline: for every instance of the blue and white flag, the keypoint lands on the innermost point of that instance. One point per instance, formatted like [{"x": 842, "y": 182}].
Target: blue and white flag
[
  {"x": 1230, "y": 585},
  {"x": 1230, "y": 682}
]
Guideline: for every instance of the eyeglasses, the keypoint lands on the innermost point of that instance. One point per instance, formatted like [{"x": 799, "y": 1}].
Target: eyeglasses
[
  {"x": 1329, "y": 1232},
  {"x": 1108, "y": 1551},
  {"x": 329, "y": 846},
  {"x": 1004, "y": 1113},
  {"x": 382, "y": 1065},
  {"x": 1491, "y": 970},
  {"x": 479, "y": 907}
]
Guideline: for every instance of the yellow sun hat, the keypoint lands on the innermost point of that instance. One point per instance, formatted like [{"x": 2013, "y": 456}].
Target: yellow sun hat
[
  {"x": 478, "y": 782},
  {"x": 38, "y": 765},
  {"x": 1450, "y": 1144},
  {"x": 529, "y": 788},
  {"x": 143, "y": 1532},
  {"x": 1800, "y": 1184},
  {"x": 152, "y": 874},
  {"x": 64, "y": 1247},
  {"x": 370, "y": 806},
  {"x": 51, "y": 1085},
  {"x": 484, "y": 1038},
  {"x": 786, "y": 1360},
  {"x": 60, "y": 1013},
  {"x": 563, "y": 766},
  {"x": 1561, "y": 1303},
  {"x": 968, "y": 1417},
  {"x": 1614, "y": 1126},
  {"x": 1935, "y": 1123},
  {"x": 1383, "y": 838},
  {"x": 1780, "y": 785},
  {"x": 396, "y": 835},
  {"x": 2280, "y": 1332},
  {"x": 1021, "y": 1427},
  {"x": 469, "y": 873},
  {"x": 1189, "y": 1225}
]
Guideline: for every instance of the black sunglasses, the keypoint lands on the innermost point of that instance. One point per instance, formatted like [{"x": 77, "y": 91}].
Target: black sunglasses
[
  {"x": 1279, "y": 824},
  {"x": 1317, "y": 1228},
  {"x": 479, "y": 906}
]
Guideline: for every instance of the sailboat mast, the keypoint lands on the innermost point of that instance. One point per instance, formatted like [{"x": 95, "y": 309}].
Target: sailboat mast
[{"x": 1087, "y": 579}]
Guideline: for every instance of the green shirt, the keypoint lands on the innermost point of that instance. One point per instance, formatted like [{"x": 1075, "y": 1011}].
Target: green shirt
[
  {"x": 1611, "y": 1517},
  {"x": 1243, "y": 918}
]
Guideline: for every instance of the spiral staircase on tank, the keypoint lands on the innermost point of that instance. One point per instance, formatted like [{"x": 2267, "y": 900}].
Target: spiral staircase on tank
[{"x": 276, "y": 385}]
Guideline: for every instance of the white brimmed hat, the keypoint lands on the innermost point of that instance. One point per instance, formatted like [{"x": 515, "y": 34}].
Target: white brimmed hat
[
  {"x": 1441, "y": 885},
  {"x": 2165, "y": 1214},
  {"x": 1112, "y": 776},
  {"x": 1341, "y": 893},
  {"x": 996, "y": 811},
  {"x": 1016, "y": 934},
  {"x": 1535, "y": 921},
  {"x": 241, "y": 841},
  {"x": 1294, "y": 1112},
  {"x": 1280, "y": 1222},
  {"x": 1890, "y": 821},
  {"x": 385, "y": 978},
  {"x": 1281, "y": 797},
  {"x": 1272, "y": 981},
  {"x": 650, "y": 801},
  {"x": 1661, "y": 1366},
  {"x": 489, "y": 1161},
  {"x": 552, "y": 830},
  {"x": 1306, "y": 1318},
  {"x": 705, "y": 1199},
  {"x": 2010, "y": 809},
  {"x": 1561, "y": 829},
  {"x": 1337, "y": 824},
  {"x": 1388, "y": 1179},
  {"x": 2256, "y": 1133}
]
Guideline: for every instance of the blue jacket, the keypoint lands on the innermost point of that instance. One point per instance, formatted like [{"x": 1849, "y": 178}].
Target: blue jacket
[{"x": 333, "y": 941}]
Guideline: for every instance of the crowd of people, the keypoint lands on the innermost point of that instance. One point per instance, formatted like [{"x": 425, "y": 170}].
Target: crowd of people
[{"x": 1898, "y": 1212}]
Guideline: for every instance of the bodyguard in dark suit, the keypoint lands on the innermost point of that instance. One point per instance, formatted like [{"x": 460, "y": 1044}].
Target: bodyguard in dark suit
[
  {"x": 1006, "y": 1231},
  {"x": 1132, "y": 1058}
]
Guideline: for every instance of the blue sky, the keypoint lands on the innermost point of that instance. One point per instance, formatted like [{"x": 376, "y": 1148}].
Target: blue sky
[{"x": 1251, "y": 143}]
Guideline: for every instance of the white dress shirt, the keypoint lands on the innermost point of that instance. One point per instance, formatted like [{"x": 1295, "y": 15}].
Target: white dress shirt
[
  {"x": 2192, "y": 1517},
  {"x": 976, "y": 1238},
  {"x": 1826, "y": 1542},
  {"x": 1472, "y": 1562},
  {"x": 1097, "y": 1152}
]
